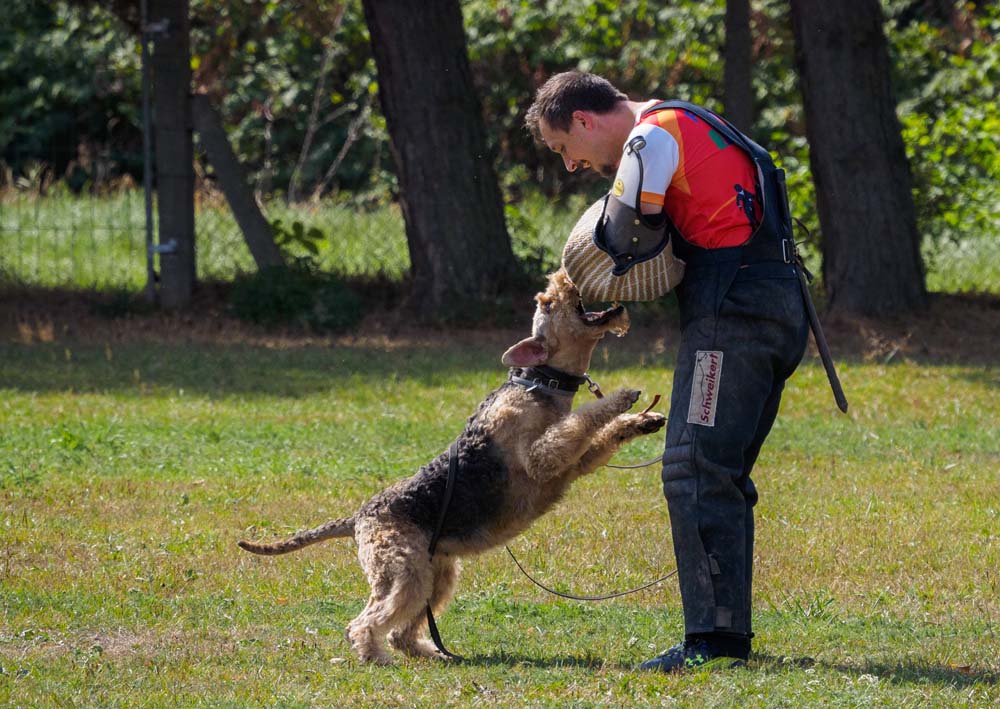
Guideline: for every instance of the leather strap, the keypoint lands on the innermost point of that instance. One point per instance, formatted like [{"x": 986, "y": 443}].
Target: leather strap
[{"x": 449, "y": 488}]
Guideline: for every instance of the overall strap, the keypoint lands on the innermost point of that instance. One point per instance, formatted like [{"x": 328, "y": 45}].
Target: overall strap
[{"x": 721, "y": 125}]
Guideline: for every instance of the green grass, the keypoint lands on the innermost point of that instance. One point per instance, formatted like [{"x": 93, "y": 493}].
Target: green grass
[
  {"x": 67, "y": 241},
  {"x": 128, "y": 471}
]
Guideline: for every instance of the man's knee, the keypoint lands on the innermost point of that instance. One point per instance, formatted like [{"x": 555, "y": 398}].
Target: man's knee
[{"x": 679, "y": 475}]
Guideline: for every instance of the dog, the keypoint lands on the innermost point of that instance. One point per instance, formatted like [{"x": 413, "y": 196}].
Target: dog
[{"x": 518, "y": 454}]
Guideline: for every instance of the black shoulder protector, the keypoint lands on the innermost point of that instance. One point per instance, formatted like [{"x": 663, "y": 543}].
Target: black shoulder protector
[{"x": 627, "y": 235}]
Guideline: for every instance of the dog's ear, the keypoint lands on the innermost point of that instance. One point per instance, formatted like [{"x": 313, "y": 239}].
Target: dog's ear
[{"x": 526, "y": 353}]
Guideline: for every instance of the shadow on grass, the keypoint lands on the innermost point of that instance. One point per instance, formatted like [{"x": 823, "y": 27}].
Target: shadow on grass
[
  {"x": 899, "y": 673},
  {"x": 903, "y": 673},
  {"x": 504, "y": 659},
  {"x": 221, "y": 370}
]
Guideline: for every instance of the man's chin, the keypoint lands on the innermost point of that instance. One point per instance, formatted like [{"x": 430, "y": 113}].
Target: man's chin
[{"x": 607, "y": 170}]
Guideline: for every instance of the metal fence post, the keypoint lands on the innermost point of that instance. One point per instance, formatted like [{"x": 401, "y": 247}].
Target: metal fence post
[
  {"x": 147, "y": 152},
  {"x": 173, "y": 143}
]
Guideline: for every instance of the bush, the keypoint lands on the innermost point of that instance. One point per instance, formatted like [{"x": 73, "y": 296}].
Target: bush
[{"x": 298, "y": 295}]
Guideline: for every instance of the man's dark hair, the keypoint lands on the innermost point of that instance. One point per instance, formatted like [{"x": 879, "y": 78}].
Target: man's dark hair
[{"x": 570, "y": 91}]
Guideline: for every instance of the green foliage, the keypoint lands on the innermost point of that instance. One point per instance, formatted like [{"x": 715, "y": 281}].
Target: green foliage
[
  {"x": 649, "y": 49},
  {"x": 268, "y": 64},
  {"x": 538, "y": 230},
  {"x": 951, "y": 120},
  {"x": 64, "y": 240},
  {"x": 296, "y": 295},
  {"x": 297, "y": 237},
  {"x": 70, "y": 96}
]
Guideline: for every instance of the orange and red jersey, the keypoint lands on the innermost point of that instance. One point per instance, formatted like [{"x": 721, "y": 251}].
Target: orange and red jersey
[{"x": 706, "y": 185}]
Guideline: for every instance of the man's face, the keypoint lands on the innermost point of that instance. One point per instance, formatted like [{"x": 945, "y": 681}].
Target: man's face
[{"x": 583, "y": 146}]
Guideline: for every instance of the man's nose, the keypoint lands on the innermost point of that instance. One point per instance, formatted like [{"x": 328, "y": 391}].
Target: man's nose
[{"x": 570, "y": 164}]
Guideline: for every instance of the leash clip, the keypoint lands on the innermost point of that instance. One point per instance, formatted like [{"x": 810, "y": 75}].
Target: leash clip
[{"x": 593, "y": 387}]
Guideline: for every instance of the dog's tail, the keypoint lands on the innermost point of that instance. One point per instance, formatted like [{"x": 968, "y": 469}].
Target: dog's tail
[{"x": 343, "y": 527}]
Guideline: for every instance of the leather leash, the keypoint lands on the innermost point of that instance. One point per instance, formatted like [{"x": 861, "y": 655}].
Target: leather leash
[
  {"x": 805, "y": 277},
  {"x": 575, "y": 597},
  {"x": 449, "y": 488}
]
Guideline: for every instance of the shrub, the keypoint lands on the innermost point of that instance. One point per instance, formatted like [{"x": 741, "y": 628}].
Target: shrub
[{"x": 298, "y": 295}]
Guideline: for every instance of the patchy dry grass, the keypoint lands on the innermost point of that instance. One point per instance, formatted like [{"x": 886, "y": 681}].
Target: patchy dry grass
[{"x": 129, "y": 468}]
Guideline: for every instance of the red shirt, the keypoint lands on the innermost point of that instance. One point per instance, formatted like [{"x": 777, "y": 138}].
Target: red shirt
[{"x": 710, "y": 195}]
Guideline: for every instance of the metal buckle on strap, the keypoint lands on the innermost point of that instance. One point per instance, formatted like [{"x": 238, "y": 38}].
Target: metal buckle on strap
[{"x": 789, "y": 251}]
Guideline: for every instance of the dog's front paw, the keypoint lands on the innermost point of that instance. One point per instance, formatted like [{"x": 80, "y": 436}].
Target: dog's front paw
[
  {"x": 635, "y": 425},
  {"x": 624, "y": 399},
  {"x": 650, "y": 422}
]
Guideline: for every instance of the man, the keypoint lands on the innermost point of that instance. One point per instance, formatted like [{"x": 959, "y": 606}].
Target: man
[{"x": 743, "y": 332}]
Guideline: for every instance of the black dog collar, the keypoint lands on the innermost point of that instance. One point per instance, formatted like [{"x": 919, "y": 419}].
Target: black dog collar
[{"x": 554, "y": 380}]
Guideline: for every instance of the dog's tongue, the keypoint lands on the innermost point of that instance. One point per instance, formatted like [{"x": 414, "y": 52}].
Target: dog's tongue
[{"x": 600, "y": 318}]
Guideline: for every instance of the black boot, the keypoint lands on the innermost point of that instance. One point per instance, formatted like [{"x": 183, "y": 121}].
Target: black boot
[{"x": 699, "y": 651}]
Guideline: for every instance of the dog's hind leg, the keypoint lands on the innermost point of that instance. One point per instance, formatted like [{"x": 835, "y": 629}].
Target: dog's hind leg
[
  {"x": 397, "y": 564},
  {"x": 412, "y": 638}
]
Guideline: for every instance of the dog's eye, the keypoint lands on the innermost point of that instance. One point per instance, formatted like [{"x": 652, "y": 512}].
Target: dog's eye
[{"x": 547, "y": 308}]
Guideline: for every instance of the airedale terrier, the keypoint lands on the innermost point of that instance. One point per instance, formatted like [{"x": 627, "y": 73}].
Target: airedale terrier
[{"x": 517, "y": 456}]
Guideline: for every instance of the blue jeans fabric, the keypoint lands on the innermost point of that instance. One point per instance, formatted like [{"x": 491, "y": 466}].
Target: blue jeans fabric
[{"x": 755, "y": 316}]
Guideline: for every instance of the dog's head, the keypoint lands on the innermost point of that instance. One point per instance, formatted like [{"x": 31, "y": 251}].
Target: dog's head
[{"x": 563, "y": 333}]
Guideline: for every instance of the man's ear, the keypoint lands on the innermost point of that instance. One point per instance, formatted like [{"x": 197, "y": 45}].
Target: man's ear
[
  {"x": 584, "y": 118},
  {"x": 526, "y": 353}
]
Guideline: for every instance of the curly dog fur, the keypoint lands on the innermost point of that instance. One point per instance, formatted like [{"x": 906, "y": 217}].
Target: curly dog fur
[{"x": 519, "y": 453}]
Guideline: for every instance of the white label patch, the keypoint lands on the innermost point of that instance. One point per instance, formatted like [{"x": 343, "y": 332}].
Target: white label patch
[{"x": 705, "y": 387}]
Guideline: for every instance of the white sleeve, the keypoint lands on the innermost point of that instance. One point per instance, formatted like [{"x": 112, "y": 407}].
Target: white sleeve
[{"x": 660, "y": 156}]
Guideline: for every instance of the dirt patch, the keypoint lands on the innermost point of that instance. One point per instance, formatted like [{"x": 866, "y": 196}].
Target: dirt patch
[{"x": 961, "y": 329}]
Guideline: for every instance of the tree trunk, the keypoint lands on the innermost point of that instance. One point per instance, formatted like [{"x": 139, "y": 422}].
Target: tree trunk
[
  {"x": 871, "y": 248},
  {"x": 233, "y": 181},
  {"x": 458, "y": 242},
  {"x": 171, "y": 66},
  {"x": 737, "y": 74}
]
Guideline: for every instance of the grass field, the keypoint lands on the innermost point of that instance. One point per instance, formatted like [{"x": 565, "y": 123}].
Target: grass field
[{"x": 128, "y": 470}]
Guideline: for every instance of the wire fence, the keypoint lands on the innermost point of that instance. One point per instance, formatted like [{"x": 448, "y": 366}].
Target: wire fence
[
  {"x": 94, "y": 239},
  {"x": 67, "y": 240}
]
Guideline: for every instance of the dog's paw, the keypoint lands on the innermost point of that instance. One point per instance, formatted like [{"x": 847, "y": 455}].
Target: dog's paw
[
  {"x": 625, "y": 399},
  {"x": 634, "y": 425},
  {"x": 650, "y": 422}
]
